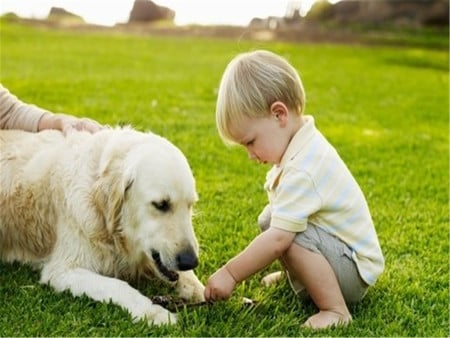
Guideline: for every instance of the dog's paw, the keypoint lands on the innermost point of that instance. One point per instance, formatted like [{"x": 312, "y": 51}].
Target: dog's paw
[
  {"x": 190, "y": 288},
  {"x": 162, "y": 317},
  {"x": 156, "y": 315},
  {"x": 192, "y": 292}
]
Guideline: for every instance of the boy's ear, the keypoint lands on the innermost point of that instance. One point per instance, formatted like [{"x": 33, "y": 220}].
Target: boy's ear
[{"x": 279, "y": 112}]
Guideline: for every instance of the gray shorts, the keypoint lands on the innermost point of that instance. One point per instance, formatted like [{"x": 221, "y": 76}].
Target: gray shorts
[{"x": 339, "y": 255}]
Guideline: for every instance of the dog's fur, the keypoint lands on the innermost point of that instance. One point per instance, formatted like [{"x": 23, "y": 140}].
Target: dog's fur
[{"x": 93, "y": 211}]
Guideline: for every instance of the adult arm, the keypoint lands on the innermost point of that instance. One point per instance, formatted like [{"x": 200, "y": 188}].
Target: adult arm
[{"x": 15, "y": 114}]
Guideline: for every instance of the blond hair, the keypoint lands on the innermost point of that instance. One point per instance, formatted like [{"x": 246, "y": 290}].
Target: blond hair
[{"x": 251, "y": 83}]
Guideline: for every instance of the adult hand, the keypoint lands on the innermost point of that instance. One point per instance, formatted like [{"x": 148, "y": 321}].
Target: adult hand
[{"x": 68, "y": 123}]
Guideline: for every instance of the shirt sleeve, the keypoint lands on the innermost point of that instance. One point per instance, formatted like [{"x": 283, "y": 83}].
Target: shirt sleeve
[
  {"x": 295, "y": 200},
  {"x": 15, "y": 114}
]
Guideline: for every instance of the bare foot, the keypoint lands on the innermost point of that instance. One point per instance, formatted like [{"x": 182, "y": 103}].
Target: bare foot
[
  {"x": 326, "y": 319},
  {"x": 277, "y": 276},
  {"x": 272, "y": 278}
]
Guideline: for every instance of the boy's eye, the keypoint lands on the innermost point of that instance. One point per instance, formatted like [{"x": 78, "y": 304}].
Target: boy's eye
[{"x": 249, "y": 143}]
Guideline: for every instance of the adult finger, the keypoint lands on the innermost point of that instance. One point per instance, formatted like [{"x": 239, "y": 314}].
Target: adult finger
[{"x": 88, "y": 125}]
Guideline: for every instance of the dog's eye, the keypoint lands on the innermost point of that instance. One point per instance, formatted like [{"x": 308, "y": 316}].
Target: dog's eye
[{"x": 163, "y": 205}]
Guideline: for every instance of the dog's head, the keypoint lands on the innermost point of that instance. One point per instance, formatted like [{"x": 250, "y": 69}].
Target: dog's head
[{"x": 146, "y": 195}]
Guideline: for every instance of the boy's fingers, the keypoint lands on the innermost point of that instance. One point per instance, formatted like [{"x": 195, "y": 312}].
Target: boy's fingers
[{"x": 207, "y": 294}]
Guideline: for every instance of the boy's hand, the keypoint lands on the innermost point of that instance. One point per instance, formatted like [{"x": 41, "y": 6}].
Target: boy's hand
[{"x": 220, "y": 285}]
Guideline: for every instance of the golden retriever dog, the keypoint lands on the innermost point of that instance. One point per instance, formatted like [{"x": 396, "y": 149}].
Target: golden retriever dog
[{"x": 92, "y": 211}]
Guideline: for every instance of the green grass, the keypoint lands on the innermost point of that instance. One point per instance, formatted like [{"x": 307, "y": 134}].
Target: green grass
[{"x": 385, "y": 109}]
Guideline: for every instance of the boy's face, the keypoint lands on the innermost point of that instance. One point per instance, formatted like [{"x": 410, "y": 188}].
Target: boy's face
[{"x": 265, "y": 139}]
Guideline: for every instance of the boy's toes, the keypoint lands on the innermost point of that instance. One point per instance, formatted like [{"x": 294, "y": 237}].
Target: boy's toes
[{"x": 326, "y": 319}]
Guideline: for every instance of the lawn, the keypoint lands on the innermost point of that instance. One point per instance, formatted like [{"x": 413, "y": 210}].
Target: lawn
[{"x": 384, "y": 108}]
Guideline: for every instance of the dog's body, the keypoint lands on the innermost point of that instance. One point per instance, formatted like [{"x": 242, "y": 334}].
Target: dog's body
[{"x": 94, "y": 210}]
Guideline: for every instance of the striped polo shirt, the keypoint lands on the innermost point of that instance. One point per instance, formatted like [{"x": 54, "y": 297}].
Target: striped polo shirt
[{"x": 313, "y": 186}]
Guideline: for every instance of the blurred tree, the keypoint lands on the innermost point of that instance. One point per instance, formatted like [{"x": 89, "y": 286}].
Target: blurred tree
[
  {"x": 293, "y": 9},
  {"x": 412, "y": 13},
  {"x": 58, "y": 14},
  {"x": 148, "y": 11}
]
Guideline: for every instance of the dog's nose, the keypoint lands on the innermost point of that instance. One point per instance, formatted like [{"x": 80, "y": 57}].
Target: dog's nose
[{"x": 187, "y": 260}]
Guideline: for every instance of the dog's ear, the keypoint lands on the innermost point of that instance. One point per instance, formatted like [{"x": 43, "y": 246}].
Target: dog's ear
[{"x": 109, "y": 194}]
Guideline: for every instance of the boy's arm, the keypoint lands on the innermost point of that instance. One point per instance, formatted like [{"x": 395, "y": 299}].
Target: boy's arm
[{"x": 262, "y": 251}]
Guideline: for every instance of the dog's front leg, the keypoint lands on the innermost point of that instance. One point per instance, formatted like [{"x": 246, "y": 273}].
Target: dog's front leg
[
  {"x": 104, "y": 289},
  {"x": 189, "y": 287}
]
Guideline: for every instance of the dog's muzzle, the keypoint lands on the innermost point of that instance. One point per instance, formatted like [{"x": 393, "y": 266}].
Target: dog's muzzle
[
  {"x": 169, "y": 274},
  {"x": 187, "y": 260}
]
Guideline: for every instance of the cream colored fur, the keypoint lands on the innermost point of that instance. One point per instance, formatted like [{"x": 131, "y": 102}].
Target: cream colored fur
[{"x": 93, "y": 211}]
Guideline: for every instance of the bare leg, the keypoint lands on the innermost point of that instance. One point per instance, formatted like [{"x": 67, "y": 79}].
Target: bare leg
[{"x": 315, "y": 273}]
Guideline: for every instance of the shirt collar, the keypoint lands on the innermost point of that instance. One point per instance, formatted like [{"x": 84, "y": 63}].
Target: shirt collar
[{"x": 301, "y": 137}]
